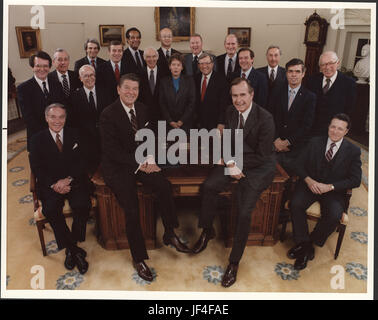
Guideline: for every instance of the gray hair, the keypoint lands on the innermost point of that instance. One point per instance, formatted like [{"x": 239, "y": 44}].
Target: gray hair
[
  {"x": 86, "y": 66},
  {"x": 150, "y": 48},
  {"x": 60, "y": 50},
  {"x": 55, "y": 105},
  {"x": 274, "y": 47},
  {"x": 204, "y": 55},
  {"x": 331, "y": 53}
]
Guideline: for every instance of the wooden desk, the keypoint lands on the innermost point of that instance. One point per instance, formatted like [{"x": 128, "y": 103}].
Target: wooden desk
[{"x": 186, "y": 182}]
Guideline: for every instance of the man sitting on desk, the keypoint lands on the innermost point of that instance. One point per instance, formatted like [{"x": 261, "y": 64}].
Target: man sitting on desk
[
  {"x": 119, "y": 123},
  {"x": 259, "y": 166},
  {"x": 57, "y": 162},
  {"x": 327, "y": 168}
]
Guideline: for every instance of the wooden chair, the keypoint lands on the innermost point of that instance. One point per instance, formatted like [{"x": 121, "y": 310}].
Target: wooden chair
[
  {"x": 41, "y": 220},
  {"x": 314, "y": 213}
]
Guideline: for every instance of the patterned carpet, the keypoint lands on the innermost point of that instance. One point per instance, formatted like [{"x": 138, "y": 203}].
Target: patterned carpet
[{"x": 262, "y": 269}]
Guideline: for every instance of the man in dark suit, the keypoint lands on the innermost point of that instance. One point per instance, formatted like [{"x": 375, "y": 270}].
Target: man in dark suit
[
  {"x": 335, "y": 92},
  {"x": 119, "y": 124},
  {"x": 293, "y": 108},
  {"x": 256, "y": 79},
  {"x": 273, "y": 72},
  {"x": 35, "y": 94},
  {"x": 109, "y": 73},
  {"x": 66, "y": 78},
  {"x": 149, "y": 86},
  {"x": 87, "y": 104},
  {"x": 56, "y": 160},
  {"x": 91, "y": 47},
  {"x": 133, "y": 57},
  {"x": 177, "y": 96},
  {"x": 258, "y": 168},
  {"x": 327, "y": 167},
  {"x": 212, "y": 95},
  {"x": 228, "y": 62},
  {"x": 165, "y": 51},
  {"x": 191, "y": 59}
]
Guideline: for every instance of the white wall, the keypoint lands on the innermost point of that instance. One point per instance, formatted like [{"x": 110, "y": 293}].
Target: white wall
[{"x": 68, "y": 27}]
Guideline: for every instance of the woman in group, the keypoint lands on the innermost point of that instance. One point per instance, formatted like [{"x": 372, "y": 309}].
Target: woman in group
[{"x": 177, "y": 96}]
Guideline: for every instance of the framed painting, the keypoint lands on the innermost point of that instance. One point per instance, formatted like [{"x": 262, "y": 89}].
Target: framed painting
[
  {"x": 243, "y": 34},
  {"x": 29, "y": 41},
  {"x": 112, "y": 32},
  {"x": 179, "y": 19}
]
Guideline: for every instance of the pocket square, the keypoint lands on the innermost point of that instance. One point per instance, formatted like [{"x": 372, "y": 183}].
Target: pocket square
[
  {"x": 146, "y": 124},
  {"x": 75, "y": 146}
]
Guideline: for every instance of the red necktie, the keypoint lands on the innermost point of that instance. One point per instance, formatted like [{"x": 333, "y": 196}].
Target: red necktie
[
  {"x": 93, "y": 63},
  {"x": 243, "y": 75},
  {"x": 203, "y": 88},
  {"x": 116, "y": 72}
]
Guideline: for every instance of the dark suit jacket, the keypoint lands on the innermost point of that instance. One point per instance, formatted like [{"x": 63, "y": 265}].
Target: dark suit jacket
[
  {"x": 151, "y": 100},
  {"x": 117, "y": 138},
  {"x": 49, "y": 165},
  {"x": 296, "y": 123},
  {"x": 188, "y": 67},
  {"x": 346, "y": 164},
  {"x": 211, "y": 111},
  {"x": 258, "y": 135},
  {"x": 87, "y": 119},
  {"x": 163, "y": 62},
  {"x": 220, "y": 65},
  {"x": 341, "y": 97},
  {"x": 73, "y": 79},
  {"x": 280, "y": 77},
  {"x": 178, "y": 106},
  {"x": 105, "y": 77},
  {"x": 259, "y": 84},
  {"x": 83, "y": 61},
  {"x": 128, "y": 60},
  {"x": 32, "y": 103}
]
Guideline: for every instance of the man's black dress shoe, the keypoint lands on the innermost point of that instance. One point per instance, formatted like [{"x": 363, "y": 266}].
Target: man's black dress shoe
[
  {"x": 69, "y": 262},
  {"x": 81, "y": 263},
  {"x": 296, "y": 251},
  {"x": 201, "y": 244},
  {"x": 82, "y": 251},
  {"x": 143, "y": 271},
  {"x": 302, "y": 260},
  {"x": 175, "y": 242},
  {"x": 229, "y": 276}
]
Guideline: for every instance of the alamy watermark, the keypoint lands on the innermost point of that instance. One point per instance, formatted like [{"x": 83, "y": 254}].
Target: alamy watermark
[{"x": 199, "y": 142}]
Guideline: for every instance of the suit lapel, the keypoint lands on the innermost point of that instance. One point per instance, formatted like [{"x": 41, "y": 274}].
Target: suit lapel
[
  {"x": 297, "y": 101},
  {"x": 249, "y": 124},
  {"x": 341, "y": 154}
]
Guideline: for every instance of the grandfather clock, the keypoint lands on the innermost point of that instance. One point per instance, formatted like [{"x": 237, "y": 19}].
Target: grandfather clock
[{"x": 315, "y": 38}]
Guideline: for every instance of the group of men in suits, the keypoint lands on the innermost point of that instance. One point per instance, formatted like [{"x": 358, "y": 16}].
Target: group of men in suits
[{"x": 131, "y": 90}]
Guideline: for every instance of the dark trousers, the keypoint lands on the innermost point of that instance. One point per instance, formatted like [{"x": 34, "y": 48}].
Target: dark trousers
[
  {"x": 248, "y": 193},
  {"x": 124, "y": 186},
  {"x": 331, "y": 206},
  {"x": 52, "y": 206}
]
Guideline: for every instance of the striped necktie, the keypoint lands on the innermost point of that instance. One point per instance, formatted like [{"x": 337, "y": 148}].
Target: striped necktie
[
  {"x": 326, "y": 87},
  {"x": 66, "y": 88},
  {"x": 329, "y": 153},
  {"x": 45, "y": 91},
  {"x": 134, "y": 123},
  {"x": 59, "y": 143}
]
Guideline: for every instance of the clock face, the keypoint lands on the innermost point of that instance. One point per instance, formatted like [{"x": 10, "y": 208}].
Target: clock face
[{"x": 313, "y": 32}]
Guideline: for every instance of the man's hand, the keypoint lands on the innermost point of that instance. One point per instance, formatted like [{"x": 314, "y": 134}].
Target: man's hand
[
  {"x": 149, "y": 168},
  {"x": 235, "y": 172},
  {"x": 179, "y": 123},
  {"x": 317, "y": 187},
  {"x": 220, "y": 127},
  {"x": 281, "y": 145},
  {"x": 174, "y": 124},
  {"x": 62, "y": 186}
]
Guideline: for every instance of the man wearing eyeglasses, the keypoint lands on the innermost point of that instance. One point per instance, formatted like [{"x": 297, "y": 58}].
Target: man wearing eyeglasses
[
  {"x": 212, "y": 95},
  {"x": 35, "y": 94},
  {"x": 165, "y": 51},
  {"x": 335, "y": 92},
  {"x": 87, "y": 104}
]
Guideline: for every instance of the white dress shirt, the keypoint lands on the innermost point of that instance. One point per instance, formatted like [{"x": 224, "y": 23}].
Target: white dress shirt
[
  {"x": 233, "y": 62},
  {"x": 333, "y": 78},
  {"x": 39, "y": 81},
  {"x": 335, "y": 148},
  {"x": 87, "y": 91},
  {"x": 61, "y": 78}
]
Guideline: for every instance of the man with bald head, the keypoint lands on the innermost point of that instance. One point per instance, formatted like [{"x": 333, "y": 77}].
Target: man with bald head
[
  {"x": 150, "y": 82},
  {"x": 166, "y": 50},
  {"x": 66, "y": 78},
  {"x": 228, "y": 62},
  {"x": 335, "y": 92}
]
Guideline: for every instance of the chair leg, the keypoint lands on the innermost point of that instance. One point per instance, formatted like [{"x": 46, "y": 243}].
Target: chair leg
[
  {"x": 341, "y": 229},
  {"x": 40, "y": 227}
]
